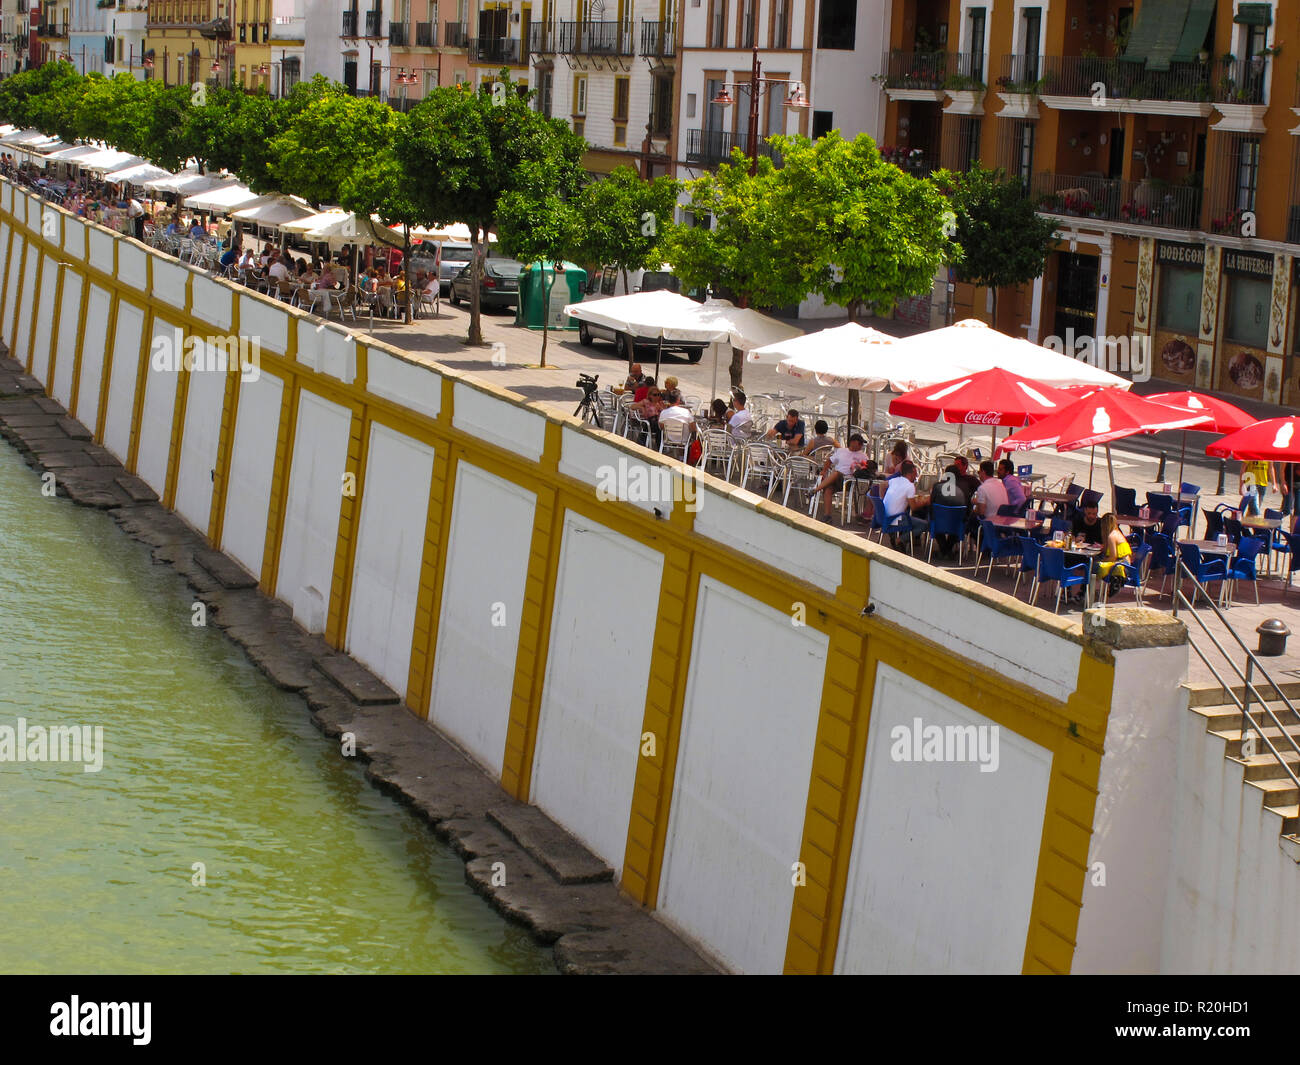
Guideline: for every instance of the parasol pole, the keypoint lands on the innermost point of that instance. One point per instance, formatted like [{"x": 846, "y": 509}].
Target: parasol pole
[
  {"x": 871, "y": 430},
  {"x": 855, "y": 406},
  {"x": 659, "y": 354},
  {"x": 1110, "y": 469},
  {"x": 1182, "y": 454},
  {"x": 1091, "y": 461},
  {"x": 714, "y": 393},
  {"x": 995, "y": 442}
]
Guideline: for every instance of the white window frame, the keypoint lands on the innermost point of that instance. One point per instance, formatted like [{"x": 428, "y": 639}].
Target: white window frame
[
  {"x": 1270, "y": 39},
  {"x": 964, "y": 41},
  {"x": 1018, "y": 42}
]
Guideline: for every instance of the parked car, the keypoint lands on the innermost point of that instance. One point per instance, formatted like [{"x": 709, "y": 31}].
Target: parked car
[
  {"x": 498, "y": 287},
  {"x": 454, "y": 257},
  {"x": 626, "y": 344},
  {"x": 608, "y": 281}
]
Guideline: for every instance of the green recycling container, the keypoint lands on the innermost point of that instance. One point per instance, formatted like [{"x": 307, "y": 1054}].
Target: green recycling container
[{"x": 567, "y": 287}]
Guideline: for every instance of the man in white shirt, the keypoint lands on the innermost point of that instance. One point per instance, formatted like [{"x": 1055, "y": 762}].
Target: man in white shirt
[
  {"x": 740, "y": 421},
  {"x": 991, "y": 493},
  {"x": 901, "y": 497},
  {"x": 838, "y": 468},
  {"x": 277, "y": 270},
  {"x": 682, "y": 417}
]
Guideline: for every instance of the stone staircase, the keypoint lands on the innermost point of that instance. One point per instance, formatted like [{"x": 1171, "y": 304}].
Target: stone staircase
[{"x": 1261, "y": 771}]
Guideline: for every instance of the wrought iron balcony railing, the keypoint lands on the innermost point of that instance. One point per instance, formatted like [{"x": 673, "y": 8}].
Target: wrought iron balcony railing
[
  {"x": 953, "y": 71},
  {"x": 1146, "y": 203},
  {"x": 455, "y": 35},
  {"x": 596, "y": 38},
  {"x": 708, "y": 147},
  {"x": 495, "y": 50},
  {"x": 424, "y": 36},
  {"x": 659, "y": 39}
]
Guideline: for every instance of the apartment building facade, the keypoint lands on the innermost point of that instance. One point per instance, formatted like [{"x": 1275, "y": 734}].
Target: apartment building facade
[
  {"x": 348, "y": 41},
  {"x": 87, "y": 41},
  {"x": 1160, "y": 135},
  {"x": 226, "y": 42},
  {"x": 53, "y": 20},
  {"x": 124, "y": 28},
  {"x": 15, "y": 33}
]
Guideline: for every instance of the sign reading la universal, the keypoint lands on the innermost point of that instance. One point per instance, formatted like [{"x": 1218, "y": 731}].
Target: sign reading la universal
[{"x": 1254, "y": 263}]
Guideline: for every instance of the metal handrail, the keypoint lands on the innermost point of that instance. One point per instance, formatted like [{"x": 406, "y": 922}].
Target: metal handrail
[{"x": 1252, "y": 663}]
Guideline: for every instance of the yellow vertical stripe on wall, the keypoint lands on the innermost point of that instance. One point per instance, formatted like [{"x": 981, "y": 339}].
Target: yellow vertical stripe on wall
[
  {"x": 30, "y": 347},
  {"x": 79, "y": 349},
  {"x": 106, "y": 377},
  {"x": 12, "y": 337},
  {"x": 345, "y": 547},
  {"x": 1067, "y": 827},
  {"x": 142, "y": 369},
  {"x": 834, "y": 789},
  {"x": 534, "y": 624},
  {"x": 179, "y": 406},
  {"x": 280, "y": 484},
  {"x": 433, "y": 563},
  {"x": 56, "y": 304},
  {"x": 647, "y": 832}
]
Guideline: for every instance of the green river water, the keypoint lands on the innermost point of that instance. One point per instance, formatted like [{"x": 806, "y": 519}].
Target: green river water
[{"x": 308, "y": 868}]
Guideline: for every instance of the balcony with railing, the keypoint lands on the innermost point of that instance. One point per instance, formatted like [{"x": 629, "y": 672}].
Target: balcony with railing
[
  {"x": 658, "y": 39},
  {"x": 496, "y": 50},
  {"x": 1140, "y": 203},
  {"x": 932, "y": 73},
  {"x": 52, "y": 30},
  {"x": 350, "y": 23},
  {"x": 424, "y": 35},
  {"x": 1111, "y": 82},
  {"x": 1240, "y": 81},
  {"x": 596, "y": 38},
  {"x": 455, "y": 35},
  {"x": 543, "y": 38},
  {"x": 919, "y": 162},
  {"x": 374, "y": 23},
  {"x": 398, "y": 36},
  {"x": 709, "y": 147}
]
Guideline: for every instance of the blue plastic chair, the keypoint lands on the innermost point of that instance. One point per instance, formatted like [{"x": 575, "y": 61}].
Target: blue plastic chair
[
  {"x": 1242, "y": 567},
  {"x": 997, "y": 545},
  {"x": 1204, "y": 570},
  {"x": 1232, "y": 526},
  {"x": 1126, "y": 501},
  {"x": 948, "y": 521},
  {"x": 1293, "y": 544},
  {"x": 1159, "y": 502},
  {"x": 1276, "y": 542},
  {"x": 1190, "y": 489},
  {"x": 1213, "y": 523},
  {"x": 1030, "y": 550},
  {"x": 1136, "y": 570},
  {"x": 1052, "y": 567},
  {"x": 1162, "y": 555},
  {"x": 1060, "y": 524}
]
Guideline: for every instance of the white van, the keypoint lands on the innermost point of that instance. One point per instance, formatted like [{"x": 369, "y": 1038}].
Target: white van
[{"x": 608, "y": 281}]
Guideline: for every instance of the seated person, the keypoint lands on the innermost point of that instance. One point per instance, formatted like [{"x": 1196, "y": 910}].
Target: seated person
[
  {"x": 1015, "y": 490},
  {"x": 895, "y": 459},
  {"x": 1086, "y": 526},
  {"x": 1117, "y": 549},
  {"x": 197, "y": 232},
  {"x": 670, "y": 392},
  {"x": 326, "y": 279},
  {"x": 968, "y": 481},
  {"x": 742, "y": 419},
  {"x": 635, "y": 379},
  {"x": 990, "y": 495},
  {"x": 901, "y": 497},
  {"x": 719, "y": 416},
  {"x": 821, "y": 437},
  {"x": 277, "y": 271},
  {"x": 650, "y": 406},
  {"x": 643, "y": 390},
  {"x": 790, "y": 429},
  {"x": 841, "y": 464},
  {"x": 949, "y": 492},
  {"x": 675, "y": 412},
  {"x": 229, "y": 257}
]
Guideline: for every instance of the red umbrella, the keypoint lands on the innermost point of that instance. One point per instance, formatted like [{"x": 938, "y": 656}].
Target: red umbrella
[
  {"x": 1227, "y": 418},
  {"x": 1099, "y": 418},
  {"x": 989, "y": 397},
  {"x": 1277, "y": 439}
]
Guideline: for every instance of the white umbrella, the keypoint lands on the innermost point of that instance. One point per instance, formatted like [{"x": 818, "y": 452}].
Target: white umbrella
[
  {"x": 971, "y": 346},
  {"x": 226, "y": 198},
  {"x": 135, "y": 175},
  {"x": 74, "y": 154},
  {"x": 659, "y": 315},
  {"x": 457, "y": 231},
  {"x": 191, "y": 183},
  {"x": 108, "y": 159},
  {"x": 24, "y": 136},
  {"x": 275, "y": 212}
]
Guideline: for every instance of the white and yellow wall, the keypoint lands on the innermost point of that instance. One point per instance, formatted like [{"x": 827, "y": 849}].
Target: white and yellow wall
[{"x": 699, "y": 697}]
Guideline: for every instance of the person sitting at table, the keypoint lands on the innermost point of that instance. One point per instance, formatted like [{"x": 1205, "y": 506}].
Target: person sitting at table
[
  {"x": 968, "y": 481},
  {"x": 670, "y": 392},
  {"x": 326, "y": 279},
  {"x": 197, "y": 232},
  {"x": 1086, "y": 526},
  {"x": 1117, "y": 549},
  {"x": 950, "y": 491},
  {"x": 790, "y": 429},
  {"x": 634, "y": 380},
  {"x": 277, "y": 271},
  {"x": 718, "y": 414},
  {"x": 901, "y": 497},
  {"x": 647, "y": 383},
  {"x": 229, "y": 257},
  {"x": 821, "y": 437},
  {"x": 990, "y": 494},
  {"x": 1015, "y": 489},
  {"x": 741, "y": 420},
  {"x": 895, "y": 459},
  {"x": 839, "y": 465},
  {"x": 672, "y": 412},
  {"x": 247, "y": 261}
]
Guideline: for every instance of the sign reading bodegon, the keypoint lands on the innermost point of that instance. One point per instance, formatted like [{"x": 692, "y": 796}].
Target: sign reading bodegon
[{"x": 1168, "y": 254}]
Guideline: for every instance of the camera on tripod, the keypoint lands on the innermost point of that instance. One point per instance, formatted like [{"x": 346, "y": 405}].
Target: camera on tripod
[{"x": 587, "y": 383}]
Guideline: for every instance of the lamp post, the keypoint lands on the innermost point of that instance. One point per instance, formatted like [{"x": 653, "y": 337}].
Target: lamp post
[{"x": 795, "y": 97}]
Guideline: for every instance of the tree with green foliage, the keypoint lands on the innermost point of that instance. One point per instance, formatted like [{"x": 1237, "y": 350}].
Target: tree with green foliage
[
  {"x": 624, "y": 217},
  {"x": 541, "y": 223},
  {"x": 862, "y": 231},
  {"x": 466, "y": 150},
  {"x": 328, "y": 139},
  {"x": 380, "y": 186},
  {"x": 1003, "y": 238},
  {"x": 736, "y": 240},
  {"x": 45, "y": 98}
]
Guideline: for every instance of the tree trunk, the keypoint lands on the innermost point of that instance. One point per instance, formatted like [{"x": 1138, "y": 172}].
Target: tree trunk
[
  {"x": 993, "y": 290},
  {"x": 406, "y": 268},
  {"x": 737, "y": 367},
  {"x": 546, "y": 310},
  {"x": 627, "y": 287},
  {"x": 475, "y": 338},
  {"x": 855, "y": 310}
]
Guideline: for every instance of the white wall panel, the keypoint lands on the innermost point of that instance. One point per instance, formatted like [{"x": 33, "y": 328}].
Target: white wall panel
[
  {"x": 417, "y": 387},
  {"x": 26, "y": 307},
  {"x": 122, "y": 380},
  {"x": 741, "y": 785},
  {"x": 945, "y": 855},
  {"x": 160, "y": 387},
  {"x": 65, "y": 349},
  {"x": 589, "y": 729},
  {"x": 268, "y": 324},
  {"x": 101, "y": 250},
  {"x": 311, "y": 523},
  {"x": 169, "y": 282},
  {"x": 252, "y": 469},
  {"x": 12, "y": 274},
  {"x": 94, "y": 352},
  {"x": 131, "y": 267},
  {"x": 212, "y": 302},
  {"x": 499, "y": 422},
  {"x": 487, "y": 561},
  {"x": 390, "y": 551},
  {"x": 194, "y": 475},
  {"x": 43, "y": 325}
]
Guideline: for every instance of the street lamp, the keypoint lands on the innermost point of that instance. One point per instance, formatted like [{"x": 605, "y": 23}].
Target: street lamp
[{"x": 795, "y": 97}]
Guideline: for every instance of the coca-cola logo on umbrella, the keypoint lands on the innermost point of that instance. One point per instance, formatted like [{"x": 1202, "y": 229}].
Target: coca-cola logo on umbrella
[{"x": 987, "y": 417}]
